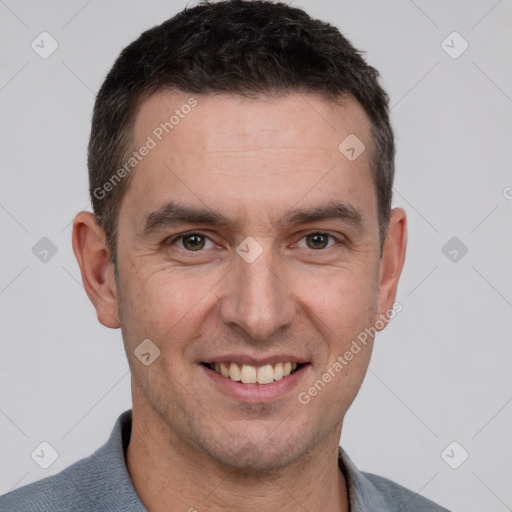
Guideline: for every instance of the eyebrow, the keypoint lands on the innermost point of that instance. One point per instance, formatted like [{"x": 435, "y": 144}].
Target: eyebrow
[{"x": 174, "y": 213}]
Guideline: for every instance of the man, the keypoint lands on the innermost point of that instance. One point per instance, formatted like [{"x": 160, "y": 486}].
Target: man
[{"x": 241, "y": 165}]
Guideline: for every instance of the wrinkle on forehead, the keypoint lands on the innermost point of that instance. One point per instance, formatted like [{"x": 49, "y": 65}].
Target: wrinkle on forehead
[
  {"x": 227, "y": 144},
  {"x": 220, "y": 129}
]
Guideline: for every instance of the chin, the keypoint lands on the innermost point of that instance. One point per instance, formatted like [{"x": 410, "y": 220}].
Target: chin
[
  {"x": 250, "y": 459},
  {"x": 260, "y": 455}
]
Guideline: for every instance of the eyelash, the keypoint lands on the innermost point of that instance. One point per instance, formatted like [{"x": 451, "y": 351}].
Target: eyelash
[{"x": 171, "y": 241}]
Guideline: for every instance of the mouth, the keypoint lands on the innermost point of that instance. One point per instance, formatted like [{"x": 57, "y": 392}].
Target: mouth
[{"x": 250, "y": 374}]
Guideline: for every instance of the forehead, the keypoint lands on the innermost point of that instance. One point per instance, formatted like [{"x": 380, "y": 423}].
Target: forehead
[
  {"x": 235, "y": 152},
  {"x": 224, "y": 122}
]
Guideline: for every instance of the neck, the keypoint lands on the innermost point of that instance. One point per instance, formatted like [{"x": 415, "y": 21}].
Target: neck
[{"x": 168, "y": 473}]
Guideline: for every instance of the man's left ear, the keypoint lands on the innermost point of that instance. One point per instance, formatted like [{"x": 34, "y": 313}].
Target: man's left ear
[{"x": 392, "y": 262}]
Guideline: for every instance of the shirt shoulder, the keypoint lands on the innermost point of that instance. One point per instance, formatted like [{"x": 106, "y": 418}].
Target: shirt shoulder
[
  {"x": 399, "y": 498},
  {"x": 70, "y": 490},
  {"x": 98, "y": 482},
  {"x": 371, "y": 493}
]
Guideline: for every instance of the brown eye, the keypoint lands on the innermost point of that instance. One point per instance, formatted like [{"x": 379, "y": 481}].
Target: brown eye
[
  {"x": 193, "y": 242},
  {"x": 317, "y": 240}
]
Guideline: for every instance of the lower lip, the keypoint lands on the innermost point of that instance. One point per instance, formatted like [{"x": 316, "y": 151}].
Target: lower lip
[{"x": 257, "y": 393}]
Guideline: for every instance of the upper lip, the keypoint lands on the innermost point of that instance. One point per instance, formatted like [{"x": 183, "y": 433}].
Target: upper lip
[{"x": 255, "y": 361}]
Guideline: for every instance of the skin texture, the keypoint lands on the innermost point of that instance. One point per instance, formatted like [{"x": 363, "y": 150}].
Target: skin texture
[{"x": 192, "y": 445}]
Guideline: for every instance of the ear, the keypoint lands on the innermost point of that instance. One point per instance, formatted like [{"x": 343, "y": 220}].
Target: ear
[
  {"x": 90, "y": 248},
  {"x": 391, "y": 263}
]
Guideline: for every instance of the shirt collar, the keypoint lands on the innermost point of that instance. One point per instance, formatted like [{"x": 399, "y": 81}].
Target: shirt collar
[{"x": 362, "y": 495}]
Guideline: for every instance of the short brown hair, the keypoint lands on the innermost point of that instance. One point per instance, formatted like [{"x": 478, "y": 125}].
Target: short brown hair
[{"x": 248, "y": 48}]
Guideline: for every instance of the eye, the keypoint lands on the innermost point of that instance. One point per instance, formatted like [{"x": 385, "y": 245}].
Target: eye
[
  {"x": 317, "y": 240},
  {"x": 195, "y": 241},
  {"x": 192, "y": 241}
]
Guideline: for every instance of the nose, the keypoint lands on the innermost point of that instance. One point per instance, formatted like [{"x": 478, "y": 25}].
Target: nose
[{"x": 258, "y": 298}]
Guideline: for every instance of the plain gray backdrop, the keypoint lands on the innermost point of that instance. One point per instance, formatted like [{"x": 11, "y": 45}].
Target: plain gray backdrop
[{"x": 440, "y": 373}]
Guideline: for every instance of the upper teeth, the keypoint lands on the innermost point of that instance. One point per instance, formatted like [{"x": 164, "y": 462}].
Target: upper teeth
[{"x": 249, "y": 374}]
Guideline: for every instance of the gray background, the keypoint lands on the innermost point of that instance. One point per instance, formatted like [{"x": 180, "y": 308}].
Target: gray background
[{"x": 439, "y": 373}]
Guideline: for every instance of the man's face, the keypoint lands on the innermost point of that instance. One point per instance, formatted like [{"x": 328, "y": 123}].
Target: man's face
[{"x": 261, "y": 288}]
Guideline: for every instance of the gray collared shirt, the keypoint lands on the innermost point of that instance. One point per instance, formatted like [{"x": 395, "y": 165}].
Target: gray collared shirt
[{"x": 101, "y": 482}]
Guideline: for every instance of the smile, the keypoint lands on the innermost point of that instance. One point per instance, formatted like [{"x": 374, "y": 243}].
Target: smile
[{"x": 249, "y": 374}]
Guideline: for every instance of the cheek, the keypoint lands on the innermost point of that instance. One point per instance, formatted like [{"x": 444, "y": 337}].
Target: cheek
[
  {"x": 346, "y": 298},
  {"x": 162, "y": 305},
  {"x": 337, "y": 309}
]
